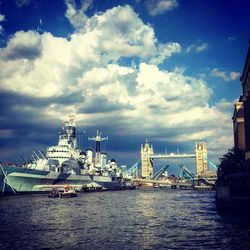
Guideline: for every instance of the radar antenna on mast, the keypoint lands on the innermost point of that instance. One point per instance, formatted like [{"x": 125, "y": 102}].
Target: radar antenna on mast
[{"x": 98, "y": 139}]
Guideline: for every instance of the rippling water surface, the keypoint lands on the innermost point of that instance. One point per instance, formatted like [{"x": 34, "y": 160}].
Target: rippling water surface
[{"x": 138, "y": 219}]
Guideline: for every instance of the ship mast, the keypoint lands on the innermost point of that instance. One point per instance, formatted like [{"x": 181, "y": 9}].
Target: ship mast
[
  {"x": 71, "y": 130},
  {"x": 98, "y": 139}
]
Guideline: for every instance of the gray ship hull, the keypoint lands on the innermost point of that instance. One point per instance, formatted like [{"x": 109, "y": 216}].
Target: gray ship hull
[{"x": 21, "y": 180}]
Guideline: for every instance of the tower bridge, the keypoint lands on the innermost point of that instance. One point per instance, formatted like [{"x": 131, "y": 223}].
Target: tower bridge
[{"x": 200, "y": 156}]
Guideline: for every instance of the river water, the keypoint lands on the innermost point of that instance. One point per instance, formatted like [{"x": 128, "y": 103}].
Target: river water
[{"x": 132, "y": 219}]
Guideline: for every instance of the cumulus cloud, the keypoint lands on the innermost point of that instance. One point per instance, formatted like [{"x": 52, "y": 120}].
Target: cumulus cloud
[
  {"x": 168, "y": 101},
  {"x": 234, "y": 75},
  {"x": 226, "y": 76},
  {"x": 22, "y": 45},
  {"x": 202, "y": 47},
  {"x": 44, "y": 65},
  {"x": 87, "y": 70},
  {"x": 156, "y": 7},
  {"x": 165, "y": 51},
  {"x": 77, "y": 16},
  {"x": 225, "y": 106},
  {"x": 2, "y": 18},
  {"x": 197, "y": 47}
]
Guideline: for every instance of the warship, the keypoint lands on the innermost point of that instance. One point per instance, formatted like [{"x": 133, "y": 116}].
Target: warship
[{"x": 63, "y": 164}]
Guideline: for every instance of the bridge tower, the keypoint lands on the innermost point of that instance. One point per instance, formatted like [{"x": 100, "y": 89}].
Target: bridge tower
[
  {"x": 146, "y": 161},
  {"x": 201, "y": 158}
]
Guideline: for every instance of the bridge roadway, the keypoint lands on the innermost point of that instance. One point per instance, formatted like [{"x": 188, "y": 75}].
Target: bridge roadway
[
  {"x": 140, "y": 181},
  {"x": 172, "y": 156},
  {"x": 180, "y": 185}
]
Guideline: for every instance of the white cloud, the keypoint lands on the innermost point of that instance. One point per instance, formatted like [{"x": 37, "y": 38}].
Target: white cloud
[
  {"x": 156, "y": 7},
  {"x": 225, "y": 106},
  {"x": 234, "y": 75},
  {"x": 22, "y": 45},
  {"x": 226, "y": 76},
  {"x": 202, "y": 47},
  {"x": 77, "y": 17},
  {"x": 197, "y": 47},
  {"x": 99, "y": 76},
  {"x": 136, "y": 98},
  {"x": 2, "y": 18},
  {"x": 51, "y": 65},
  {"x": 175, "y": 104},
  {"x": 165, "y": 51}
]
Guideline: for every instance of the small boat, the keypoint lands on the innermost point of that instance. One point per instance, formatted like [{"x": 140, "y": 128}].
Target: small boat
[
  {"x": 68, "y": 192},
  {"x": 54, "y": 193}
]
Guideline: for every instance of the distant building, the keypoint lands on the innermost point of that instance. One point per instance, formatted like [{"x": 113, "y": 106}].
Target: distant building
[
  {"x": 239, "y": 125},
  {"x": 146, "y": 161},
  {"x": 245, "y": 79},
  {"x": 124, "y": 168}
]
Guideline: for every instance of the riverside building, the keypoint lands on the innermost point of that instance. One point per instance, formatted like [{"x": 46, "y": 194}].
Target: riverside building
[
  {"x": 239, "y": 125},
  {"x": 241, "y": 117}
]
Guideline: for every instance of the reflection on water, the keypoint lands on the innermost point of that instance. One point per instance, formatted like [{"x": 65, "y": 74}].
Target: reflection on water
[{"x": 140, "y": 219}]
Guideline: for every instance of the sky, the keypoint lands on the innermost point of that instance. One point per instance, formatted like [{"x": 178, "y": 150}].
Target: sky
[{"x": 163, "y": 70}]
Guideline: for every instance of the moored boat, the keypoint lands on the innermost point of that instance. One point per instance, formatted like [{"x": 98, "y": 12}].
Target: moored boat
[
  {"x": 54, "y": 193},
  {"x": 68, "y": 192}
]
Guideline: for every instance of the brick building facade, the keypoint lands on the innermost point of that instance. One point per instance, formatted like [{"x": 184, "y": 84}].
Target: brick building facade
[
  {"x": 239, "y": 125},
  {"x": 242, "y": 112}
]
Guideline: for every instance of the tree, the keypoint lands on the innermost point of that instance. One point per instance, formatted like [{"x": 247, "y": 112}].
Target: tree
[{"x": 231, "y": 162}]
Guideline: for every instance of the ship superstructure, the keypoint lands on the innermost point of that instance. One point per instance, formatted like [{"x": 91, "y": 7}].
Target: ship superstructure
[{"x": 67, "y": 144}]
